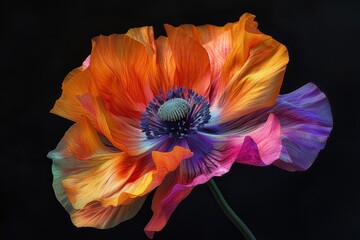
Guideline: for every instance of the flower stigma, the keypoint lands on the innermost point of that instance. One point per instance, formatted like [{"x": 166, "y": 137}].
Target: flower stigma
[
  {"x": 175, "y": 114},
  {"x": 174, "y": 109}
]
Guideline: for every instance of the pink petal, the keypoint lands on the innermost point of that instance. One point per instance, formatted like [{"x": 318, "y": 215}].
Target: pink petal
[
  {"x": 263, "y": 146},
  {"x": 212, "y": 157}
]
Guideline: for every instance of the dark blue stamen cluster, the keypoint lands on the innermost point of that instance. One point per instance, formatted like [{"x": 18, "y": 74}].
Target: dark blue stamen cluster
[{"x": 198, "y": 115}]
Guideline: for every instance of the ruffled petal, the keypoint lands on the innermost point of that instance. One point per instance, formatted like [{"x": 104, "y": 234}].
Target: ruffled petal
[
  {"x": 169, "y": 161},
  {"x": 245, "y": 35},
  {"x": 164, "y": 79},
  {"x": 205, "y": 33},
  {"x": 217, "y": 41},
  {"x": 123, "y": 133},
  {"x": 167, "y": 197},
  {"x": 164, "y": 163},
  {"x": 85, "y": 170},
  {"x": 144, "y": 35},
  {"x": 252, "y": 73},
  {"x": 75, "y": 83},
  {"x": 306, "y": 121},
  {"x": 262, "y": 146},
  {"x": 97, "y": 216},
  {"x": 218, "y": 49},
  {"x": 212, "y": 157},
  {"x": 121, "y": 68},
  {"x": 191, "y": 62}
]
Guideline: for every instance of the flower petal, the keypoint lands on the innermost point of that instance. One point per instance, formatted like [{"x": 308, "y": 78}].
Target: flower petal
[
  {"x": 262, "y": 146},
  {"x": 252, "y": 73},
  {"x": 123, "y": 133},
  {"x": 121, "y": 68},
  {"x": 164, "y": 80},
  {"x": 205, "y": 33},
  {"x": 167, "y": 197},
  {"x": 169, "y": 161},
  {"x": 97, "y": 216},
  {"x": 218, "y": 50},
  {"x": 82, "y": 166},
  {"x": 144, "y": 35},
  {"x": 217, "y": 42},
  {"x": 164, "y": 164},
  {"x": 67, "y": 106},
  {"x": 212, "y": 157},
  {"x": 306, "y": 121},
  {"x": 191, "y": 61},
  {"x": 85, "y": 170}
]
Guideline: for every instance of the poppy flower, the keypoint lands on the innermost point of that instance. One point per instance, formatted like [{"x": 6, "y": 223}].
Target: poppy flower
[{"x": 171, "y": 113}]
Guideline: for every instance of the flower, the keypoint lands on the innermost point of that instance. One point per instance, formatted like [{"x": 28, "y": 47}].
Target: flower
[{"x": 174, "y": 112}]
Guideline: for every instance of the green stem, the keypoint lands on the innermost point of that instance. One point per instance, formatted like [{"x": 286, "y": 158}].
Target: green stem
[{"x": 229, "y": 212}]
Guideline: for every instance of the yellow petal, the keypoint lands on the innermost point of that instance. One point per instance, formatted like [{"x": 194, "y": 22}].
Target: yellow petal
[
  {"x": 253, "y": 72},
  {"x": 97, "y": 216},
  {"x": 84, "y": 169}
]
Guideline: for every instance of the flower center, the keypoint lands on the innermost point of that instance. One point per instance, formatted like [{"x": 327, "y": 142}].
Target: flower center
[
  {"x": 173, "y": 110},
  {"x": 175, "y": 114}
]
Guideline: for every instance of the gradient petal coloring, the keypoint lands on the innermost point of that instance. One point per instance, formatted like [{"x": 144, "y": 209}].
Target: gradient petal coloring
[
  {"x": 85, "y": 170},
  {"x": 244, "y": 87},
  {"x": 97, "y": 216},
  {"x": 306, "y": 121},
  {"x": 218, "y": 91},
  {"x": 263, "y": 146}
]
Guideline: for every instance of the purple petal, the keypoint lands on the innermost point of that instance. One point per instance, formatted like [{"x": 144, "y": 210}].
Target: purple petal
[{"x": 306, "y": 121}]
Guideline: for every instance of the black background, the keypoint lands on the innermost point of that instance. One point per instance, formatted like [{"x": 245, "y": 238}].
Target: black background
[{"x": 41, "y": 43}]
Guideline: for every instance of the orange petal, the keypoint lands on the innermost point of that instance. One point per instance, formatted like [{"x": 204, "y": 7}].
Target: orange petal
[
  {"x": 164, "y": 79},
  {"x": 84, "y": 169},
  {"x": 123, "y": 133},
  {"x": 218, "y": 42},
  {"x": 144, "y": 35},
  {"x": 164, "y": 164},
  {"x": 67, "y": 106},
  {"x": 122, "y": 67},
  {"x": 97, "y": 216},
  {"x": 77, "y": 101},
  {"x": 252, "y": 73},
  {"x": 191, "y": 60},
  {"x": 245, "y": 35},
  {"x": 169, "y": 161},
  {"x": 218, "y": 49},
  {"x": 204, "y": 33}
]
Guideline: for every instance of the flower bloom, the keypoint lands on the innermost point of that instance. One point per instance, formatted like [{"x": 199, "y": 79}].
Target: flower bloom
[{"x": 171, "y": 113}]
